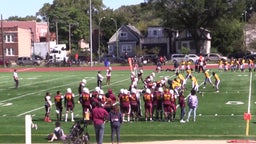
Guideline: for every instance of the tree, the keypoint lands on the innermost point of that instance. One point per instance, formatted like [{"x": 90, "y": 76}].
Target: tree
[
  {"x": 73, "y": 13},
  {"x": 195, "y": 14}
]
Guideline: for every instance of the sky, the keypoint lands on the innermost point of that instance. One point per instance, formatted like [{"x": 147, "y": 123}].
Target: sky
[{"x": 22, "y": 8}]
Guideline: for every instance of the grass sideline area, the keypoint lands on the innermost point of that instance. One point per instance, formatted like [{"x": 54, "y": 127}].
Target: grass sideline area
[{"x": 229, "y": 104}]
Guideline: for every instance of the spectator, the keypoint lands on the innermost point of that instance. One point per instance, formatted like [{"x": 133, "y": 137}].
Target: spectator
[
  {"x": 58, "y": 133},
  {"x": 99, "y": 116},
  {"x": 192, "y": 104},
  {"x": 115, "y": 118}
]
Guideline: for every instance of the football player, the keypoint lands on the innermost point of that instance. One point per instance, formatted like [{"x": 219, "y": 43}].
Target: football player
[
  {"x": 217, "y": 81},
  {"x": 69, "y": 103},
  {"x": 58, "y": 104}
]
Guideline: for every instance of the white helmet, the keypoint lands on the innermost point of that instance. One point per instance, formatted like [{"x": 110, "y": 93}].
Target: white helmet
[
  {"x": 110, "y": 68},
  {"x": 171, "y": 91},
  {"x": 166, "y": 78},
  {"x": 162, "y": 81},
  {"x": 148, "y": 91},
  {"x": 153, "y": 74},
  {"x": 160, "y": 90},
  {"x": 125, "y": 91},
  {"x": 121, "y": 91},
  {"x": 69, "y": 90},
  {"x": 97, "y": 89},
  {"x": 141, "y": 71},
  {"x": 86, "y": 90},
  {"x": 151, "y": 78},
  {"x": 84, "y": 81}
]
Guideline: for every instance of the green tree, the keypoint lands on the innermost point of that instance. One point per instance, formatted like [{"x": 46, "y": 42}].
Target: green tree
[
  {"x": 73, "y": 13},
  {"x": 195, "y": 14}
]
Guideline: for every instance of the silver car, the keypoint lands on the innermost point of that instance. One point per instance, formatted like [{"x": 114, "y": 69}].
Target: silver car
[{"x": 22, "y": 61}]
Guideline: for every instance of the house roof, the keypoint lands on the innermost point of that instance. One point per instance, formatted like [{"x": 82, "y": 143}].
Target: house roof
[{"x": 132, "y": 29}]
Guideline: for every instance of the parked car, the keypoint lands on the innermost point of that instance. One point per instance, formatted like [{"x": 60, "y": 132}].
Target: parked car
[
  {"x": 214, "y": 57},
  {"x": 191, "y": 57},
  {"x": 251, "y": 56},
  {"x": 177, "y": 57},
  {"x": 183, "y": 57},
  {"x": 239, "y": 54},
  {"x": 22, "y": 61}
]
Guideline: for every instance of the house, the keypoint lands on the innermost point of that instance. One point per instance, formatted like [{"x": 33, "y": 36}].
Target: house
[
  {"x": 184, "y": 39},
  {"x": 124, "y": 42},
  {"x": 24, "y": 38},
  {"x": 16, "y": 42}
]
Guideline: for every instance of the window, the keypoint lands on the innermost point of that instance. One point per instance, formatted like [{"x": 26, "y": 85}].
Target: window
[
  {"x": 123, "y": 34},
  {"x": 9, "y": 38},
  {"x": 154, "y": 32},
  {"x": 110, "y": 49},
  {"x": 9, "y": 51},
  {"x": 188, "y": 34},
  {"x": 126, "y": 48}
]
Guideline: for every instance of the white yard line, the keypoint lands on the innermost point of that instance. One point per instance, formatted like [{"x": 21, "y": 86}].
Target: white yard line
[{"x": 250, "y": 95}]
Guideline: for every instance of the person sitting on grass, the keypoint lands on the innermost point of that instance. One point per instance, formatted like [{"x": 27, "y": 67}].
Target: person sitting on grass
[{"x": 58, "y": 133}]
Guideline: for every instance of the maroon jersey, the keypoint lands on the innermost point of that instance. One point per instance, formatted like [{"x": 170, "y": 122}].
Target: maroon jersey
[
  {"x": 69, "y": 99},
  {"x": 125, "y": 100},
  {"x": 58, "y": 101},
  {"x": 133, "y": 99},
  {"x": 167, "y": 98},
  {"x": 157, "y": 96},
  {"x": 85, "y": 97},
  {"x": 147, "y": 98}
]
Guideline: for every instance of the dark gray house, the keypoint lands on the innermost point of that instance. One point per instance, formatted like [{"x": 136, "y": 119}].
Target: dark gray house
[{"x": 124, "y": 41}]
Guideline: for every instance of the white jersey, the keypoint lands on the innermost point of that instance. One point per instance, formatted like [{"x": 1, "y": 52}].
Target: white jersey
[
  {"x": 15, "y": 75},
  {"x": 100, "y": 77}
]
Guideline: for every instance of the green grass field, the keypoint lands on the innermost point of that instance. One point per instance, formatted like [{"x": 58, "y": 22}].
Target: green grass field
[{"x": 29, "y": 99}]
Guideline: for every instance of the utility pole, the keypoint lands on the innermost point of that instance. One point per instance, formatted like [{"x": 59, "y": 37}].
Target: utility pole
[
  {"x": 100, "y": 36},
  {"x": 2, "y": 33},
  {"x": 91, "y": 31}
]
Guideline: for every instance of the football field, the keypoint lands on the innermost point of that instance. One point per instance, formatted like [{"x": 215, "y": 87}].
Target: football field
[{"x": 220, "y": 116}]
